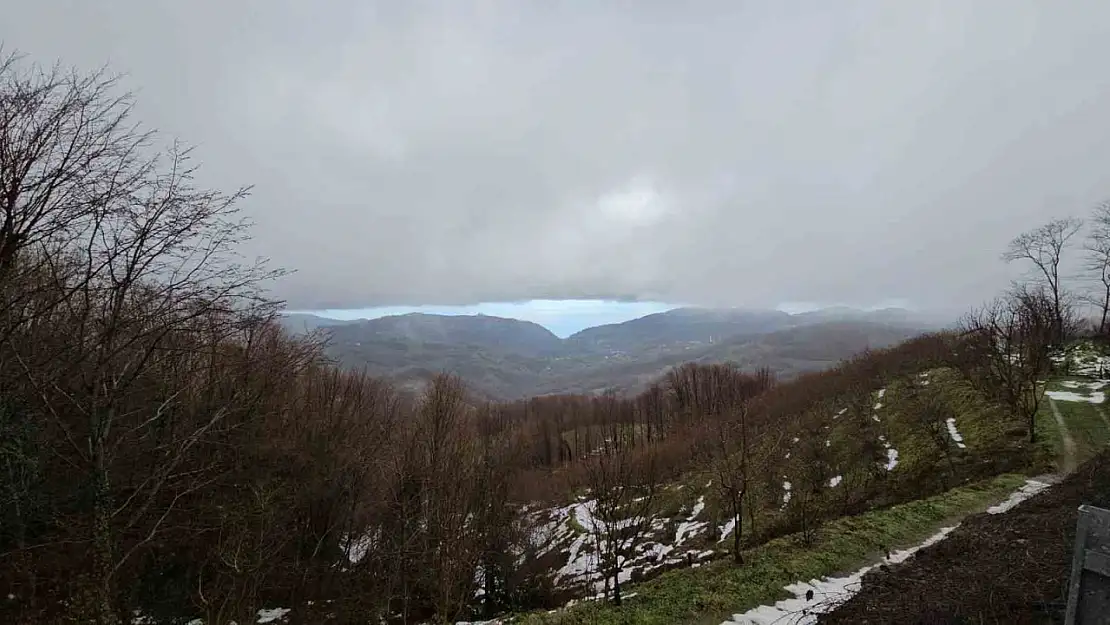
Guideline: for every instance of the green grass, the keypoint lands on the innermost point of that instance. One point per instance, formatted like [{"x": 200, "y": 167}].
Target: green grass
[
  {"x": 1086, "y": 426},
  {"x": 712, "y": 593},
  {"x": 1085, "y": 422},
  {"x": 1049, "y": 448},
  {"x": 574, "y": 525}
]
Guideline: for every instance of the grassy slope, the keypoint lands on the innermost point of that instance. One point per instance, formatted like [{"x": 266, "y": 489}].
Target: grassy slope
[
  {"x": 1085, "y": 421},
  {"x": 1087, "y": 426},
  {"x": 712, "y": 593},
  {"x": 952, "y": 580}
]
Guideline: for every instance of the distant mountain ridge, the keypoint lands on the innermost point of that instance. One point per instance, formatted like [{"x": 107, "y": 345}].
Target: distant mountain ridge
[
  {"x": 682, "y": 325},
  {"x": 506, "y": 358},
  {"x": 524, "y": 337}
]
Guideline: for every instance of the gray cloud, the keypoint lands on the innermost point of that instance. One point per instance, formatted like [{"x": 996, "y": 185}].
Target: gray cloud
[{"x": 710, "y": 152}]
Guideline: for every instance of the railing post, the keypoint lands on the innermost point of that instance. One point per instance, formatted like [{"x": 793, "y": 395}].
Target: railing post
[{"x": 1089, "y": 588}]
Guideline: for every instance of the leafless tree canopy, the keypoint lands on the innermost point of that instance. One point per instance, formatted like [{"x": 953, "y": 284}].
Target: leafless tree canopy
[
  {"x": 1011, "y": 340},
  {"x": 1097, "y": 263},
  {"x": 1044, "y": 248}
]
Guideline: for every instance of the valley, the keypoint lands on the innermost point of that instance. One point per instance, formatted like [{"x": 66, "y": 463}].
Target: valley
[{"x": 510, "y": 359}]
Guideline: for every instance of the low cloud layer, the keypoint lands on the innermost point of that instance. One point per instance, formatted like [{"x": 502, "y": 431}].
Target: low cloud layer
[{"x": 717, "y": 153}]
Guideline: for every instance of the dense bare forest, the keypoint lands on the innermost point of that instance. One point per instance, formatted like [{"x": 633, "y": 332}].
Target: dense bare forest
[{"x": 167, "y": 448}]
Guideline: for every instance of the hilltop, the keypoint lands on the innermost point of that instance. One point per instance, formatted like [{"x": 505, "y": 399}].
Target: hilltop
[{"x": 508, "y": 359}]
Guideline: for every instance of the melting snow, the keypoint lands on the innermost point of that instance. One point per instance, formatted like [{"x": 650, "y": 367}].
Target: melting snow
[
  {"x": 891, "y": 458},
  {"x": 357, "y": 548},
  {"x": 878, "y": 405},
  {"x": 273, "y": 614},
  {"x": 698, "y": 507},
  {"x": 834, "y": 482},
  {"x": 1095, "y": 398},
  {"x": 951, "y": 421},
  {"x": 827, "y": 593},
  {"x": 1030, "y": 488},
  {"x": 882, "y": 392},
  {"x": 727, "y": 528},
  {"x": 689, "y": 527}
]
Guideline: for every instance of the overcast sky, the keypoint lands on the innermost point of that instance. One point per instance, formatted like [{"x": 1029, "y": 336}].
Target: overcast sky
[{"x": 718, "y": 153}]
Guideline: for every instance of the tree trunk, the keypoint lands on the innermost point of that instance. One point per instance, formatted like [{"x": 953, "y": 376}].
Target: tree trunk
[
  {"x": 751, "y": 513},
  {"x": 102, "y": 537},
  {"x": 1105, "y": 311},
  {"x": 616, "y": 584},
  {"x": 738, "y": 516}
]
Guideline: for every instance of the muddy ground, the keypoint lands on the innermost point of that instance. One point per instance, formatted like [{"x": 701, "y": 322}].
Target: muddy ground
[{"x": 1009, "y": 568}]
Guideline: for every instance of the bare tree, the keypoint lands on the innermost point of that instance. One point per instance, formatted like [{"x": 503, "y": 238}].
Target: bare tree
[
  {"x": 1008, "y": 345},
  {"x": 1097, "y": 248},
  {"x": 139, "y": 269},
  {"x": 623, "y": 481},
  {"x": 740, "y": 449},
  {"x": 1044, "y": 247}
]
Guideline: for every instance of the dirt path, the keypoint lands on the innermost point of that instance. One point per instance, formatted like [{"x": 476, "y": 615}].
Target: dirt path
[{"x": 1068, "y": 462}]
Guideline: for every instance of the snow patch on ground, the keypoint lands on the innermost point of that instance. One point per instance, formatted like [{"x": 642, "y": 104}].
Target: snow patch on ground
[
  {"x": 882, "y": 392},
  {"x": 827, "y": 593},
  {"x": 1030, "y": 488},
  {"x": 1097, "y": 397},
  {"x": 834, "y": 482},
  {"x": 953, "y": 433},
  {"x": 891, "y": 458},
  {"x": 689, "y": 527},
  {"x": 726, "y": 529},
  {"x": 698, "y": 507},
  {"x": 272, "y": 614},
  {"x": 1094, "y": 386}
]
